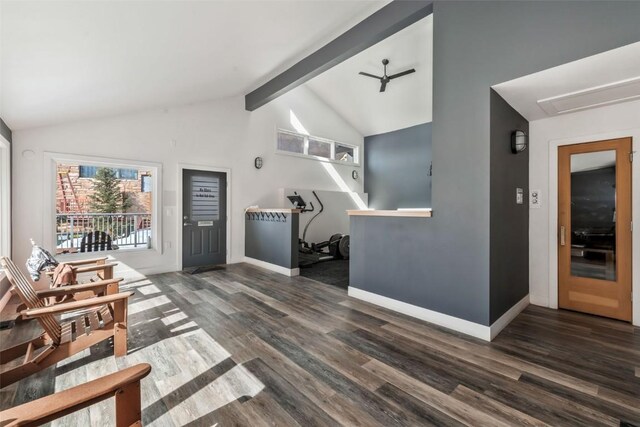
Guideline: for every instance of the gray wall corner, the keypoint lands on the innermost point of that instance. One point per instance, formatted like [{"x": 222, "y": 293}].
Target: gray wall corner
[{"x": 509, "y": 221}]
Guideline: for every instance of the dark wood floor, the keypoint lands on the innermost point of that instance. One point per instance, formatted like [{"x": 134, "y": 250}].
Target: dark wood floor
[{"x": 242, "y": 346}]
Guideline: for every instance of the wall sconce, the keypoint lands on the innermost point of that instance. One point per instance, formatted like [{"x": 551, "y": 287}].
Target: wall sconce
[
  {"x": 257, "y": 162},
  {"x": 519, "y": 141}
]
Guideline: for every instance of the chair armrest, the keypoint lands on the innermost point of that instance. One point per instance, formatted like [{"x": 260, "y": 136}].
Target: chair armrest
[
  {"x": 85, "y": 261},
  {"x": 90, "y": 268},
  {"x": 57, "y": 405},
  {"x": 72, "y": 289},
  {"x": 74, "y": 305},
  {"x": 86, "y": 269}
]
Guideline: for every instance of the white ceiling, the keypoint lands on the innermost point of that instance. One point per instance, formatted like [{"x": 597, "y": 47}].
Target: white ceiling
[
  {"x": 587, "y": 83},
  {"x": 407, "y": 100},
  {"x": 69, "y": 60}
]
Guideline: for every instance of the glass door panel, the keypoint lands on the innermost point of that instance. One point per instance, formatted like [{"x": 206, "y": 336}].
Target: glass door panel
[{"x": 593, "y": 215}]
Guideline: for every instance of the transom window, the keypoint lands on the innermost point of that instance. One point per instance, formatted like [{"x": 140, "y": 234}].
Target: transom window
[{"x": 316, "y": 147}]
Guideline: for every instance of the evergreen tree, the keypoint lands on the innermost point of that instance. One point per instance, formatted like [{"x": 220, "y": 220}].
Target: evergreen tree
[{"x": 107, "y": 197}]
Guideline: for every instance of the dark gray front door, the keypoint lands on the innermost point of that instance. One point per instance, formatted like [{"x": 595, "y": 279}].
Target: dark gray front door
[{"x": 204, "y": 207}]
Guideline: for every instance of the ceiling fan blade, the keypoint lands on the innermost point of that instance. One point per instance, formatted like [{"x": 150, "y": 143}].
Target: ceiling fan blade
[
  {"x": 383, "y": 86},
  {"x": 404, "y": 73},
  {"x": 369, "y": 75}
]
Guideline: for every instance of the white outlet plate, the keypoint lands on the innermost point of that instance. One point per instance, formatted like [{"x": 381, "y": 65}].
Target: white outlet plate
[{"x": 535, "y": 199}]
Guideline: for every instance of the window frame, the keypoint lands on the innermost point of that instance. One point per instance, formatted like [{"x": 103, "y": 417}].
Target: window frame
[
  {"x": 51, "y": 160},
  {"x": 5, "y": 197},
  {"x": 305, "y": 155}
]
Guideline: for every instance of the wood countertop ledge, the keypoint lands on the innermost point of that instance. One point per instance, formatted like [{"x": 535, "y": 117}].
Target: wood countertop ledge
[
  {"x": 274, "y": 210},
  {"x": 418, "y": 213}
]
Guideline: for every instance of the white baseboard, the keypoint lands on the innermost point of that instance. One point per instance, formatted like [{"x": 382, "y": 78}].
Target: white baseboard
[
  {"x": 291, "y": 272},
  {"x": 460, "y": 325},
  {"x": 506, "y": 318},
  {"x": 477, "y": 330},
  {"x": 536, "y": 300}
]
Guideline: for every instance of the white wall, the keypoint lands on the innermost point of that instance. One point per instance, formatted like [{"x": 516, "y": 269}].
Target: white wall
[
  {"x": 333, "y": 219},
  {"x": 215, "y": 134},
  {"x": 545, "y": 135}
]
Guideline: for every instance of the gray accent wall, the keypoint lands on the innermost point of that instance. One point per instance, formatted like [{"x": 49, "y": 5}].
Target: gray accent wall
[
  {"x": 444, "y": 263},
  {"x": 396, "y": 168},
  {"x": 270, "y": 239},
  {"x": 509, "y": 221}
]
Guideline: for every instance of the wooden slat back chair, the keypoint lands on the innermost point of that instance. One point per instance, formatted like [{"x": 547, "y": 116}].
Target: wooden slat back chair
[
  {"x": 124, "y": 385},
  {"x": 107, "y": 286},
  {"x": 95, "y": 241},
  {"x": 106, "y": 317}
]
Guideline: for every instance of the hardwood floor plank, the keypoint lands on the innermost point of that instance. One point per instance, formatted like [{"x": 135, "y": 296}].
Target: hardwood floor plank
[
  {"x": 334, "y": 355},
  {"x": 424, "y": 414},
  {"x": 443, "y": 402},
  {"x": 243, "y": 346},
  {"x": 286, "y": 394},
  {"x": 617, "y": 411},
  {"x": 263, "y": 410},
  {"x": 496, "y": 409}
]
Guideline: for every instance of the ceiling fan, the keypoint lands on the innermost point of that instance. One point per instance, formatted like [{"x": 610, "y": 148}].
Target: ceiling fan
[{"x": 386, "y": 79}]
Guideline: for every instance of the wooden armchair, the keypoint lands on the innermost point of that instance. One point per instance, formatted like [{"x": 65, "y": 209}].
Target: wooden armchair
[
  {"x": 102, "y": 269},
  {"x": 124, "y": 385},
  {"x": 105, "y": 317},
  {"x": 76, "y": 292}
]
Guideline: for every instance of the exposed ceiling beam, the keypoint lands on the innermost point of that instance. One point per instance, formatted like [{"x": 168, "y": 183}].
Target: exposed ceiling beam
[{"x": 389, "y": 20}]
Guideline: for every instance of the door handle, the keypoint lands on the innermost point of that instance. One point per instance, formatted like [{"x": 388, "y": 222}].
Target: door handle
[{"x": 562, "y": 235}]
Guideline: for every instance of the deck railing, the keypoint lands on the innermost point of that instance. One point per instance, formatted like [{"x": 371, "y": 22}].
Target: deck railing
[{"x": 127, "y": 230}]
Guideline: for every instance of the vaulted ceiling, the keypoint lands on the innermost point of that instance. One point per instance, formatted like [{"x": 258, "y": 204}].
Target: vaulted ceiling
[
  {"x": 407, "y": 101},
  {"x": 70, "y": 60}
]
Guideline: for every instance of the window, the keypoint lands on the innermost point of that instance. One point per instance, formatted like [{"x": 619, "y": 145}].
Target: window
[
  {"x": 319, "y": 148},
  {"x": 145, "y": 183},
  {"x": 290, "y": 143},
  {"x": 90, "y": 172},
  {"x": 131, "y": 174},
  {"x": 316, "y": 147},
  {"x": 118, "y": 212},
  {"x": 345, "y": 153}
]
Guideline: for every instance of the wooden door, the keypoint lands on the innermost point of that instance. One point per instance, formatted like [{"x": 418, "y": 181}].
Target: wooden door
[
  {"x": 204, "y": 207},
  {"x": 594, "y": 228}
]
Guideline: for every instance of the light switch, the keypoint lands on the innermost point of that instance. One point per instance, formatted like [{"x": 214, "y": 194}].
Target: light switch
[
  {"x": 535, "y": 199},
  {"x": 519, "y": 196}
]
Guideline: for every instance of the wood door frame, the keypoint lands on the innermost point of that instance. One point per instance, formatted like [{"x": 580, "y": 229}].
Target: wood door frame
[
  {"x": 179, "y": 202},
  {"x": 552, "y": 200},
  {"x": 598, "y": 288}
]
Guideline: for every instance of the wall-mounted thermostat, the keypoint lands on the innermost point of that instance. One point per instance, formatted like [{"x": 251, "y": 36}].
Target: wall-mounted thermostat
[
  {"x": 519, "y": 196},
  {"x": 535, "y": 199}
]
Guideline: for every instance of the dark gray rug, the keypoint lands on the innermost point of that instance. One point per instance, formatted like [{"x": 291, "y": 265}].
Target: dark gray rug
[
  {"x": 334, "y": 273},
  {"x": 203, "y": 269}
]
